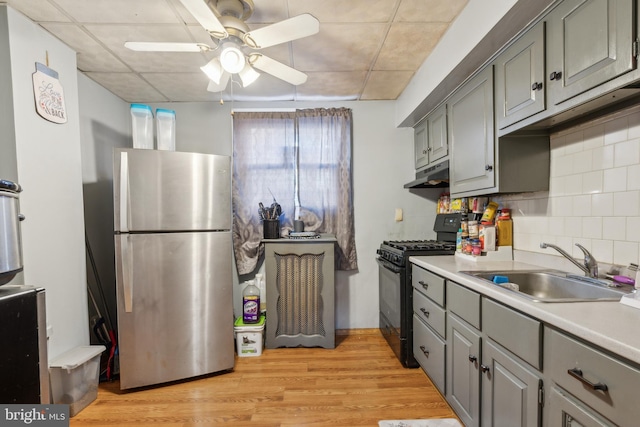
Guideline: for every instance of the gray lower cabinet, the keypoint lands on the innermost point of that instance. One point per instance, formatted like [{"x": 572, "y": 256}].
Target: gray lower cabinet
[
  {"x": 463, "y": 370},
  {"x": 429, "y": 350},
  {"x": 511, "y": 391},
  {"x": 595, "y": 379},
  {"x": 300, "y": 281},
  {"x": 564, "y": 410},
  {"x": 590, "y": 42}
]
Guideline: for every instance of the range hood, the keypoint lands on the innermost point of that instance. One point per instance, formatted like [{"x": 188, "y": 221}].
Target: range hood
[{"x": 436, "y": 176}]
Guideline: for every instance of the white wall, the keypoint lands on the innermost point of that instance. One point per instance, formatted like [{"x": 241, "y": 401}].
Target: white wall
[
  {"x": 49, "y": 169},
  {"x": 383, "y": 163},
  {"x": 474, "y": 22},
  {"x": 594, "y": 196}
]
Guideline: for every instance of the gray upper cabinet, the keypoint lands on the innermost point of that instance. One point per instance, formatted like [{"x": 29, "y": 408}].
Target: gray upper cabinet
[
  {"x": 471, "y": 134},
  {"x": 520, "y": 78},
  {"x": 590, "y": 42},
  {"x": 420, "y": 140},
  {"x": 437, "y": 129},
  {"x": 430, "y": 138}
]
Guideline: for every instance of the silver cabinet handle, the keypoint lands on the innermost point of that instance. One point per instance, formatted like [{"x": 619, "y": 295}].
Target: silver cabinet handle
[
  {"x": 425, "y": 312},
  {"x": 556, "y": 75},
  {"x": 577, "y": 374},
  {"x": 484, "y": 369},
  {"x": 424, "y": 285},
  {"x": 536, "y": 86},
  {"x": 473, "y": 359},
  {"x": 488, "y": 167},
  {"x": 424, "y": 350}
]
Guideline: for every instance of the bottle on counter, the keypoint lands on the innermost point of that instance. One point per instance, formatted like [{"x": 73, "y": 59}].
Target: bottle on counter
[
  {"x": 459, "y": 240},
  {"x": 251, "y": 303},
  {"x": 504, "y": 228}
]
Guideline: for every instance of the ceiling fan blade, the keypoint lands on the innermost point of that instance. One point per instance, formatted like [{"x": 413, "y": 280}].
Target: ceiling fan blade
[
  {"x": 284, "y": 31},
  {"x": 166, "y": 47},
  {"x": 205, "y": 16},
  {"x": 219, "y": 87},
  {"x": 277, "y": 69}
]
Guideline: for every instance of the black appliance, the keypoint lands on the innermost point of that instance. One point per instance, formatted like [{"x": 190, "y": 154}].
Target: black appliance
[{"x": 396, "y": 293}]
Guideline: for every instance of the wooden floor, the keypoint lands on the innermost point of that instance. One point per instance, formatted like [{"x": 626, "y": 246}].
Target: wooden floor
[{"x": 358, "y": 383}]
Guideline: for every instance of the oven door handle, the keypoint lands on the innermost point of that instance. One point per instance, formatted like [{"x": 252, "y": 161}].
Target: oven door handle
[{"x": 389, "y": 266}]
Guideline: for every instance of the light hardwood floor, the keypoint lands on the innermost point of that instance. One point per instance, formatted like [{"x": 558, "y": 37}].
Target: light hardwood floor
[{"x": 358, "y": 383}]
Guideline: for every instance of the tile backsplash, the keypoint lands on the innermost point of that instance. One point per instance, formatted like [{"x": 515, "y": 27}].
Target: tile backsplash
[{"x": 594, "y": 193}]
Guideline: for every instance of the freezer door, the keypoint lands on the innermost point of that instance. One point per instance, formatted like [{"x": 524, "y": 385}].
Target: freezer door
[
  {"x": 175, "y": 311},
  {"x": 171, "y": 191}
]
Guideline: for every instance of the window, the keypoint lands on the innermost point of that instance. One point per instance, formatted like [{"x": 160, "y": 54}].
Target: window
[{"x": 302, "y": 160}]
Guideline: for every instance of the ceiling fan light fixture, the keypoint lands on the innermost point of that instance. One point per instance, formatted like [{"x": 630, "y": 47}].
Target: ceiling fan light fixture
[
  {"x": 213, "y": 70},
  {"x": 248, "y": 75},
  {"x": 232, "y": 58}
]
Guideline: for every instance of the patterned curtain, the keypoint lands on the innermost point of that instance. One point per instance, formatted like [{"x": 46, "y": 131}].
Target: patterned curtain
[{"x": 303, "y": 161}]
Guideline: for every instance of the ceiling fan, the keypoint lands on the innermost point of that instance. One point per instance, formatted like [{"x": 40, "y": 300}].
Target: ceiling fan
[{"x": 224, "y": 20}]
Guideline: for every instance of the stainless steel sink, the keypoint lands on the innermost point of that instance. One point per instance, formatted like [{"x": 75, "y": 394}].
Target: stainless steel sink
[{"x": 554, "y": 286}]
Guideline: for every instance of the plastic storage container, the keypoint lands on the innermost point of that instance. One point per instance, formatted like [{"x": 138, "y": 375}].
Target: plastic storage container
[
  {"x": 74, "y": 377},
  {"x": 249, "y": 337},
  {"x": 142, "y": 126},
  {"x": 166, "y": 129}
]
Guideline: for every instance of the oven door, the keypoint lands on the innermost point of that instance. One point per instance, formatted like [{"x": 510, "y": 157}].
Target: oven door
[{"x": 390, "y": 282}]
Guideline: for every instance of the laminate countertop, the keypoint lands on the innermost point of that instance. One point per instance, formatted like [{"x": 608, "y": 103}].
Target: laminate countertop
[{"x": 609, "y": 324}]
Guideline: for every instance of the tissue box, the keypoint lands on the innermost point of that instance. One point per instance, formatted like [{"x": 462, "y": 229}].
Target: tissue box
[{"x": 74, "y": 377}]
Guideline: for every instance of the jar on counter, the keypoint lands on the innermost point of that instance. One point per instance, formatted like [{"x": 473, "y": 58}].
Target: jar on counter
[
  {"x": 474, "y": 231},
  {"x": 476, "y": 248}
]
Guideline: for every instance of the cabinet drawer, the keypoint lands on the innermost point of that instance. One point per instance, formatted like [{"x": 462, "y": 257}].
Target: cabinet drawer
[
  {"x": 521, "y": 334},
  {"x": 430, "y": 312},
  {"x": 593, "y": 369},
  {"x": 428, "y": 283},
  {"x": 464, "y": 302},
  {"x": 565, "y": 411},
  {"x": 429, "y": 351}
]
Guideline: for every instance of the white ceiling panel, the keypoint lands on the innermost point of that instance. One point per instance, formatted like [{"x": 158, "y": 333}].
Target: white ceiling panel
[
  {"x": 128, "y": 86},
  {"x": 365, "y": 49}
]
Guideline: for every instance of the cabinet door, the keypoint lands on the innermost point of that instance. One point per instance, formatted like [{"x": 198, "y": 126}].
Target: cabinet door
[
  {"x": 510, "y": 391},
  {"x": 520, "y": 78},
  {"x": 471, "y": 134},
  {"x": 463, "y": 375},
  {"x": 437, "y": 145},
  {"x": 420, "y": 138},
  {"x": 590, "y": 42},
  {"x": 566, "y": 411}
]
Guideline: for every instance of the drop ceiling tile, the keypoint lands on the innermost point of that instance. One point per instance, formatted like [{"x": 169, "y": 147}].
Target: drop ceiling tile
[
  {"x": 332, "y": 86},
  {"x": 339, "y": 47},
  {"x": 39, "y": 10},
  {"x": 429, "y": 10},
  {"x": 182, "y": 87},
  {"x": 128, "y": 86},
  {"x": 120, "y": 11},
  {"x": 266, "y": 88},
  {"x": 269, "y": 11},
  {"x": 386, "y": 84},
  {"x": 114, "y": 37},
  {"x": 345, "y": 11},
  {"x": 397, "y": 54},
  {"x": 91, "y": 56}
]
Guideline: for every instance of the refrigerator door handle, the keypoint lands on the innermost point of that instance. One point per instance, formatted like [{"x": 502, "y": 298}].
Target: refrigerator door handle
[
  {"x": 124, "y": 192},
  {"x": 124, "y": 270}
]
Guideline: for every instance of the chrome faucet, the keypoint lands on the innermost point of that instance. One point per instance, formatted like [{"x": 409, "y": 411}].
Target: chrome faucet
[{"x": 590, "y": 266}]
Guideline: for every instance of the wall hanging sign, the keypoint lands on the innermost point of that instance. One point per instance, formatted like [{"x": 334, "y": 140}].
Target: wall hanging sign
[{"x": 48, "y": 94}]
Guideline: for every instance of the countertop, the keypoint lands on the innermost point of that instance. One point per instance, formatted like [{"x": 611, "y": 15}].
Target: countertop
[{"x": 610, "y": 324}]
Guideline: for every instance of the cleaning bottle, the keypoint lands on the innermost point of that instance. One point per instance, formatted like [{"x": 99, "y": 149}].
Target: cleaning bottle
[
  {"x": 459, "y": 240},
  {"x": 251, "y": 303}
]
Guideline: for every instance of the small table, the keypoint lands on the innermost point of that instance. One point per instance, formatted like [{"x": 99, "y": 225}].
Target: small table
[{"x": 300, "y": 281}]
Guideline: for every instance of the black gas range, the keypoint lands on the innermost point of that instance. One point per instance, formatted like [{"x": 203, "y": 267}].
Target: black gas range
[{"x": 396, "y": 293}]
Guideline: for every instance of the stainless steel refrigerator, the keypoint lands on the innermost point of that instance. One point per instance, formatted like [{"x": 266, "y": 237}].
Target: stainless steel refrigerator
[{"x": 173, "y": 265}]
